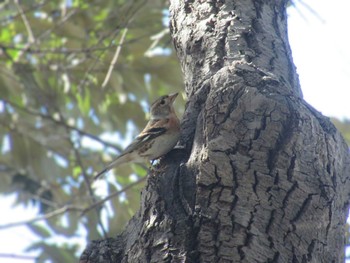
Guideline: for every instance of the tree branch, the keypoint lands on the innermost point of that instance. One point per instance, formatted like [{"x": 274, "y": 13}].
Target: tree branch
[
  {"x": 31, "y": 37},
  {"x": 115, "y": 58},
  {"x": 98, "y": 203},
  {"x": 6, "y": 255},
  {"x": 54, "y": 213},
  {"x": 85, "y": 176},
  {"x": 62, "y": 123},
  {"x": 72, "y": 208}
]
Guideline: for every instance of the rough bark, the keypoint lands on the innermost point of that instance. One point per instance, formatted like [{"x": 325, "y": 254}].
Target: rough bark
[{"x": 263, "y": 177}]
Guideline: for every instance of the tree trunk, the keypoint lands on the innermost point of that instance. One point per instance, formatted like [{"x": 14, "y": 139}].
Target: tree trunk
[{"x": 263, "y": 177}]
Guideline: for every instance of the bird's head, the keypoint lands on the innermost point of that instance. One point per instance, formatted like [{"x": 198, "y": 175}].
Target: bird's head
[{"x": 163, "y": 106}]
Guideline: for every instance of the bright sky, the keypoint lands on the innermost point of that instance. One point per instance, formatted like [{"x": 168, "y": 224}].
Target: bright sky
[
  {"x": 15, "y": 240},
  {"x": 321, "y": 51}
]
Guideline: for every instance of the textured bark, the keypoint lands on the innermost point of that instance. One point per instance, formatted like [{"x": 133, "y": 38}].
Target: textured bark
[{"x": 263, "y": 177}]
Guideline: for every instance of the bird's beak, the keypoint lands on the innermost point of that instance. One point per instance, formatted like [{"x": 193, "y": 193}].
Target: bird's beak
[{"x": 173, "y": 96}]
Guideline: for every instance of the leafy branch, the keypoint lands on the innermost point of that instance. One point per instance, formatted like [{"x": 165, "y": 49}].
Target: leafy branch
[{"x": 72, "y": 208}]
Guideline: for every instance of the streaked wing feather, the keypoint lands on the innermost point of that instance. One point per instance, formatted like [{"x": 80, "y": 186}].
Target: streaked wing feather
[{"x": 144, "y": 137}]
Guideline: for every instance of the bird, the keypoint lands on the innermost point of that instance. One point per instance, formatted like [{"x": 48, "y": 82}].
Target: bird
[{"x": 158, "y": 137}]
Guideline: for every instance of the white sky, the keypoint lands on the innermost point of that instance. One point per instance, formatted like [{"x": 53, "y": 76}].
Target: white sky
[
  {"x": 321, "y": 51},
  {"x": 15, "y": 240}
]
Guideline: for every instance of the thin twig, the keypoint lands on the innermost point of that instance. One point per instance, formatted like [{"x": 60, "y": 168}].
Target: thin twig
[
  {"x": 57, "y": 212},
  {"x": 31, "y": 39},
  {"x": 18, "y": 14},
  {"x": 85, "y": 176},
  {"x": 71, "y": 208},
  {"x": 6, "y": 255},
  {"x": 60, "y": 122},
  {"x": 311, "y": 10},
  {"x": 68, "y": 51},
  {"x": 25, "y": 21},
  {"x": 98, "y": 203},
  {"x": 115, "y": 58}
]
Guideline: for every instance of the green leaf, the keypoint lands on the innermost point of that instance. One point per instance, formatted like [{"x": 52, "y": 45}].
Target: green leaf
[
  {"x": 59, "y": 108},
  {"x": 39, "y": 230},
  {"x": 84, "y": 101}
]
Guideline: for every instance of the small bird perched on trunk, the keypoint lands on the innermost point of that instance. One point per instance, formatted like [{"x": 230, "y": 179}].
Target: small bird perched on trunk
[{"x": 158, "y": 137}]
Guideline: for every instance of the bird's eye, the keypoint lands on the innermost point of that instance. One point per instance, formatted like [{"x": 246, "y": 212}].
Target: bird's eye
[{"x": 162, "y": 102}]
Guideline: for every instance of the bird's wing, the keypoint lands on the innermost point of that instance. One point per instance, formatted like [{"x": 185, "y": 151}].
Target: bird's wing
[{"x": 142, "y": 138}]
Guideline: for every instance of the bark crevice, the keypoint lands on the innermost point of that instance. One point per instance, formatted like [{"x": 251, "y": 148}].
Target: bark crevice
[{"x": 261, "y": 176}]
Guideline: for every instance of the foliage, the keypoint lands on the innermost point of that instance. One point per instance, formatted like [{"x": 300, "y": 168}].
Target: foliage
[
  {"x": 63, "y": 116},
  {"x": 344, "y": 127}
]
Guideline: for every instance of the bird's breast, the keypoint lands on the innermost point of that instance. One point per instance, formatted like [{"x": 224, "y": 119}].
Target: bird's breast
[{"x": 161, "y": 146}]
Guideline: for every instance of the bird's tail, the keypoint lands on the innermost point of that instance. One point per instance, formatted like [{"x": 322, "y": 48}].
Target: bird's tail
[
  {"x": 105, "y": 170},
  {"x": 120, "y": 159}
]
